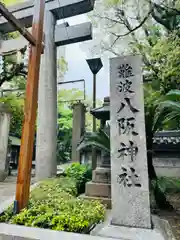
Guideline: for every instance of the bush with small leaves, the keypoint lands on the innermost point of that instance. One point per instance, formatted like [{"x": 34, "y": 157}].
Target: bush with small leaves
[{"x": 53, "y": 205}]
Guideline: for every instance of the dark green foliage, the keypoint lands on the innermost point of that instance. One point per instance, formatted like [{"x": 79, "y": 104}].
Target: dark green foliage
[
  {"x": 168, "y": 110},
  {"x": 53, "y": 205},
  {"x": 169, "y": 185},
  {"x": 81, "y": 173},
  {"x": 16, "y": 107},
  {"x": 98, "y": 139}
]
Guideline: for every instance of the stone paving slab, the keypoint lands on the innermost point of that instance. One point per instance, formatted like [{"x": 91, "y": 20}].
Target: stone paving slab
[{"x": 8, "y": 188}]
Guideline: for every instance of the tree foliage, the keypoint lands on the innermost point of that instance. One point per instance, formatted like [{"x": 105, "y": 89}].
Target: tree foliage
[
  {"x": 66, "y": 99},
  {"x": 17, "y": 114}
]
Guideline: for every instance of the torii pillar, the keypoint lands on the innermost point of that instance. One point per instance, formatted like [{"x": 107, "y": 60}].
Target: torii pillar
[
  {"x": 46, "y": 143},
  {"x": 47, "y": 105}
]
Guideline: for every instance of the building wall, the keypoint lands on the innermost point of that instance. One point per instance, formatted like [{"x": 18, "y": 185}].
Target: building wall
[{"x": 166, "y": 166}]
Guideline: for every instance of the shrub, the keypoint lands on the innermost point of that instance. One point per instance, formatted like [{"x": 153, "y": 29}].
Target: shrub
[
  {"x": 53, "y": 205},
  {"x": 73, "y": 215},
  {"x": 55, "y": 186},
  {"x": 169, "y": 185},
  {"x": 81, "y": 173}
]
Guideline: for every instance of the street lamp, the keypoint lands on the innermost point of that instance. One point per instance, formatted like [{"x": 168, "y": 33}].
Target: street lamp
[{"x": 95, "y": 66}]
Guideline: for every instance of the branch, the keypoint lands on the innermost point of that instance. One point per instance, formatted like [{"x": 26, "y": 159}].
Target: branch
[
  {"x": 107, "y": 18},
  {"x": 131, "y": 30},
  {"x": 110, "y": 50}
]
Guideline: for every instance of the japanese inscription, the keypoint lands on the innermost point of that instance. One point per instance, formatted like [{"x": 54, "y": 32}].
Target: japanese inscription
[
  {"x": 126, "y": 125},
  {"x": 127, "y": 103},
  {"x": 126, "y": 150},
  {"x": 125, "y": 86},
  {"x": 128, "y": 177},
  {"x": 125, "y": 71},
  {"x": 129, "y": 171}
]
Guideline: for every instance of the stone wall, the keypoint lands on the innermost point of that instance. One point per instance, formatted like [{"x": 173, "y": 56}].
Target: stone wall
[{"x": 166, "y": 166}]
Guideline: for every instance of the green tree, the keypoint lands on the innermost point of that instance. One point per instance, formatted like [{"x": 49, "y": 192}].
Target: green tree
[
  {"x": 66, "y": 99},
  {"x": 17, "y": 114},
  {"x": 152, "y": 30}
]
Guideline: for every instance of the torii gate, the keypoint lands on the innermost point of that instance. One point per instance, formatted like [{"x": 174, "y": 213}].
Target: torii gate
[
  {"x": 47, "y": 101},
  {"x": 35, "y": 39}
]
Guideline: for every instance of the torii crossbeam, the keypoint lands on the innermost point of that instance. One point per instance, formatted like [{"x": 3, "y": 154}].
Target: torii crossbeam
[{"x": 26, "y": 150}]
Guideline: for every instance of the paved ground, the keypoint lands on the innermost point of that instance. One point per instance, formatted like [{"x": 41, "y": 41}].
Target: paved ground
[
  {"x": 174, "y": 216},
  {"x": 8, "y": 188}
]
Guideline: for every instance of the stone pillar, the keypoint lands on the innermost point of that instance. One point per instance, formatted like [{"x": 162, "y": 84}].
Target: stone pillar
[
  {"x": 78, "y": 129},
  {"x": 4, "y": 135},
  {"x": 129, "y": 173},
  {"x": 46, "y": 164}
]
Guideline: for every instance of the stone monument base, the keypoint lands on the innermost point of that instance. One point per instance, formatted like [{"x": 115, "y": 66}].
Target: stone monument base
[
  {"x": 100, "y": 186},
  {"x": 3, "y": 175},
  {"x": 161, "y": 231}
]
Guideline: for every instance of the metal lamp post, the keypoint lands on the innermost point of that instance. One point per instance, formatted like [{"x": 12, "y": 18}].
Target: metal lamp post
[{"x": 95, "y": 66}]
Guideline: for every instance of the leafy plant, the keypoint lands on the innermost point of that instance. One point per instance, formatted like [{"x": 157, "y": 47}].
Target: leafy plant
[
  {"x": 81, "y": 173},
  {"x": 98, "y": 139},
  {"x": 169, "y": 109},
  {"x": 16, "y": 107},
  {"x": 53, "y": 205}
]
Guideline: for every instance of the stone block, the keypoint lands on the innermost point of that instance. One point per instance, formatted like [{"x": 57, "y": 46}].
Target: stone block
[
  {"x": 161, "y": 231},
  {"x": 129, "y": 173},
  {"x": 4, "y": 134},
  {"x": 102, "y": 175},
  {"x": 103, "y": 200},
  {"x": 24, "y": 11},
  {"x": 98, "y": 189},
  {"x": 3, "y": 175},
  {"x": 15, "y": 232}
]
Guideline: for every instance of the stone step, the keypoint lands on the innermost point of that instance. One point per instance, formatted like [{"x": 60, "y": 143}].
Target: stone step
[
  {"x": 102, "y": 175},
  {"x": 105, "y": 201},
  {"x": 98, "y": 189}
]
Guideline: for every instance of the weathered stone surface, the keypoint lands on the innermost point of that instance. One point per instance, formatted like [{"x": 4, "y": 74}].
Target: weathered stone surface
[
  {"x": 4, "y": 134},
  {"x": 102, "y": 175},
  {"x": 46, "y": 164},
  {"x": 161, "y": 231},
  {"x": 105, "y": 160},
  {"x": 3, "y": 175},
  {"x": 77, "y": 33},
  {"x": 126, "y": 233},
  {"x": 98, "y": 189},
  {"x": 67, "y": 8},
  {"x": 129, "y": 174},
  {"x": 78, "y": 129},
  {"x": 14, "y": 232}
]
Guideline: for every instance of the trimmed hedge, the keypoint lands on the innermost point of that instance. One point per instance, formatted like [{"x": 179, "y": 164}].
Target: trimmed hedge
[{"x": 53, "y": 205}]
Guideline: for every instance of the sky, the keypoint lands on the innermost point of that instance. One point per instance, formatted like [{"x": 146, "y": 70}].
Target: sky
[{"x": 78, "y": 68}]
